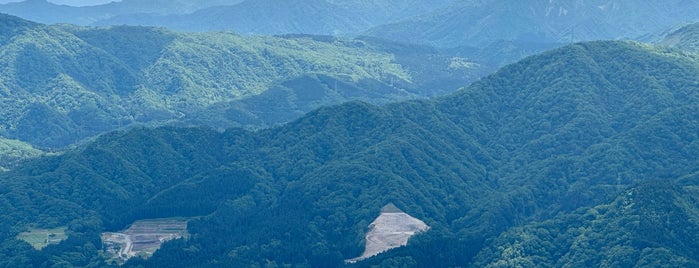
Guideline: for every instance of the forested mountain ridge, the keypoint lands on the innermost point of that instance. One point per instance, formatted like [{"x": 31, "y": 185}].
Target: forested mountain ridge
[
  {"x": 502, "y": 31},
  {"x": 490, "y": 33},
  {"x": 62, "y": 83},
  {"x": 547, "y": 139}
]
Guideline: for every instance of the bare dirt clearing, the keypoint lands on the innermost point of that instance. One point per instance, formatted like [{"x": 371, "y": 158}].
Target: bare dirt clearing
[{"x": 390, "y": 230}]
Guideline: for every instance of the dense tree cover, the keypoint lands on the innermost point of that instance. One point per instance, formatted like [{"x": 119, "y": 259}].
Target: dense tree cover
[
  {"x": 13, "y": 151},
  {"x": 62, "y": 83},
  {"x": 10, "y": 26},
  {"x": 649, "y": 225},
  {"x": 585, "y": 149}
]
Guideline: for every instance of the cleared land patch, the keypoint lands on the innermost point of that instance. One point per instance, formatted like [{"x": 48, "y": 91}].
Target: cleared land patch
[
  {"x": 142, "y": 238},
  {"x": 389, "y": 230},
  {"x": 40, "y": 238}
]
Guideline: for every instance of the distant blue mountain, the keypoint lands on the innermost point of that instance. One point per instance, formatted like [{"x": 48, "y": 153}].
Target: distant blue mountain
[
  {"x": 479, "y": 23},
  {"x": 49, "y": 13},
  {"x": 330, "y": 17}
]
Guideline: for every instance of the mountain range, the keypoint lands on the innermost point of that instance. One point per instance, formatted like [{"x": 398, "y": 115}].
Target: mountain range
[
  {"x": 443, "y": 23},
  {"x": 49, "y": 13},
  {"x": 244, "y": 17},
  {"x": 63, "y": 83},
  {"x": 281, "y": 150},
  {"x": 480, "y": 23},
  {"x": 491, "y": 32},
  {"x": 581, "y": 156}
]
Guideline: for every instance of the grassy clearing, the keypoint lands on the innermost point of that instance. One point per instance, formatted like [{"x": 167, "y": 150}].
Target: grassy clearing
[{"x": 40, "y": 238}]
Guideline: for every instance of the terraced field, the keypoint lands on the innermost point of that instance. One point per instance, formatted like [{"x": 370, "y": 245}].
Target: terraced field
[{"x": 142, "y": 238}]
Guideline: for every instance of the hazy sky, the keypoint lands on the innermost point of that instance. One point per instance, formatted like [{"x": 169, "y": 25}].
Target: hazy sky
[{"x": 71, "y": 2}]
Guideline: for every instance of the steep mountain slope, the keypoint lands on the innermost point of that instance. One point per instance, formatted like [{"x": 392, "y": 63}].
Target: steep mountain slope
[
  {"x": 537, "y": 142},
  {"x": 63, "y": 83},
  {"x": 686, "y": 38},
  {"x": 543, "y": 21},
  {"x": 12, "y": 27}
]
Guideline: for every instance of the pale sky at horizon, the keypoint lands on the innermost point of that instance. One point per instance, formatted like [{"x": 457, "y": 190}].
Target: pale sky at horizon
[{"x": 70, "y": 2}]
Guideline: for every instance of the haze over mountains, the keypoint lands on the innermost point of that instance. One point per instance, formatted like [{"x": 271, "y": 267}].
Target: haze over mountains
[
  {"x": 77, "y": 3},
  {"x": 541, "y": 21},
  {"x": 443, "y": 23},
  {"x": 281, "y": 150},
  {"x": 251, "y": 16}
]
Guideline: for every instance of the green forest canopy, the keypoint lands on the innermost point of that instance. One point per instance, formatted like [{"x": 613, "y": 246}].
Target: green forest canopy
[{"x": 578, "y": 136}]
